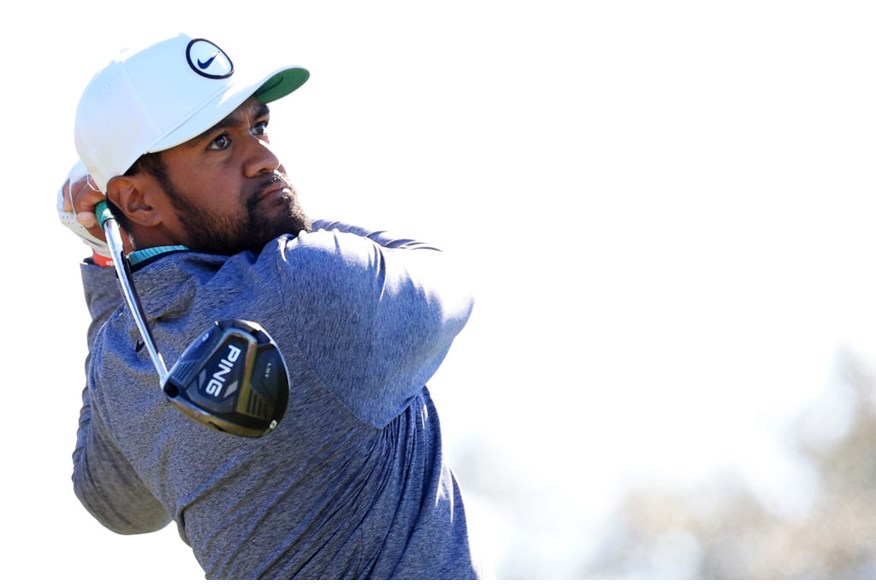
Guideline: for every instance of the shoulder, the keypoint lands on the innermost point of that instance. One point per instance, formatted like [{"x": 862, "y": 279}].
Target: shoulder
[
  {"x": 322, "y": 254},
  {"x": 326, "y": 242},
  {"x": 330, "y": 273}
]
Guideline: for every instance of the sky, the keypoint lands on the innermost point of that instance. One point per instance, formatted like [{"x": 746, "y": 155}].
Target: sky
[{"x": 665, "y": 208}]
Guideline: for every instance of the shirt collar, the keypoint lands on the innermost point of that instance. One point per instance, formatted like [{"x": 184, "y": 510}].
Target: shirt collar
[{"x": 141, "y": 255}]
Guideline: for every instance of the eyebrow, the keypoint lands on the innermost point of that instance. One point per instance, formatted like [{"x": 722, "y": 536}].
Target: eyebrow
[{"x": 236, "y": 118}]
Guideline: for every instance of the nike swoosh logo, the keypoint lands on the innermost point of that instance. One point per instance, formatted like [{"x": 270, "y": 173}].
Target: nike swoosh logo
[{"x": 205, "y": 64}]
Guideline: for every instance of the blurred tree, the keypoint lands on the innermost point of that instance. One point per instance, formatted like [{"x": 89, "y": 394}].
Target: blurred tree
[{"x": 722, "y": 530}]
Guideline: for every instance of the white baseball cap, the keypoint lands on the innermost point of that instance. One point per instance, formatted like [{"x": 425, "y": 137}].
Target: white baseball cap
[{"x": 165, "y": 94}]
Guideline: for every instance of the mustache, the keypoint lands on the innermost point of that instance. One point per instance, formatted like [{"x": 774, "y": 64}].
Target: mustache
[{"x": 269, "y": 182}]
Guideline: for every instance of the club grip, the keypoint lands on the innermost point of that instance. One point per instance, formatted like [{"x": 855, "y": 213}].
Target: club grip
[{"x": 103, "y": 213}]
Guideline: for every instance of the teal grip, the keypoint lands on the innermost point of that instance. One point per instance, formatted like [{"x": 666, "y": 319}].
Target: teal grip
[{"x": 103, "y": 213}]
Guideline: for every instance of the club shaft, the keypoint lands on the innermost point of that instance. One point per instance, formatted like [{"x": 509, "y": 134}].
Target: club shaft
[{"x": 114, "y": 242}]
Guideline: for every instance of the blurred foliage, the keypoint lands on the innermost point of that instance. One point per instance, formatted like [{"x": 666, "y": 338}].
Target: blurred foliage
[{"x": 723, "y": 530}]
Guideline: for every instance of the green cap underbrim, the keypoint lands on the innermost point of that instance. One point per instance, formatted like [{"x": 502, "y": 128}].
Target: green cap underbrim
[{"x": 282, "y": 84}]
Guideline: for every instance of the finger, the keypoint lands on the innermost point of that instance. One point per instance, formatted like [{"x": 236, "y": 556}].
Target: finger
[
  {"x": 87, "y": 219},
  {"x": 85, "y": 199},
  {"x": 66, "y": 189}
]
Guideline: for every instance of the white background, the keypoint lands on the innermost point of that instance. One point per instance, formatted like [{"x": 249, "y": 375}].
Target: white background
[{"x": 666, "y": 207}]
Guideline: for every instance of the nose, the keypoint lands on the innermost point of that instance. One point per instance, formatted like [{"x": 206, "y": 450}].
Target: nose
[{"x": 261, "y": 158}]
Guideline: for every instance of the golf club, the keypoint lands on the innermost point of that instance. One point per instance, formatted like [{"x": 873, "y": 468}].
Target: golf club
[{"x": 232, "y": 378}]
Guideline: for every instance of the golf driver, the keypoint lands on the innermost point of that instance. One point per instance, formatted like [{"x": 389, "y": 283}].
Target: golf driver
[{"x": 232, "y": 378}]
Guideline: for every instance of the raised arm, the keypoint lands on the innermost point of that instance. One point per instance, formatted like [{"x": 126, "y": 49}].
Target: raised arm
[
  {"x": 375, "y": 321},
  {"x": 103, "y": 479}
]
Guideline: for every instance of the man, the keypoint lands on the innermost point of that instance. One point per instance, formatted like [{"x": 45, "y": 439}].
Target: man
[{"x": 352, "y": 483}]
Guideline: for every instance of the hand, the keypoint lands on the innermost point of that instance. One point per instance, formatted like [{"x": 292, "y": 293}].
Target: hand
[{"x": 77, "y": 199}]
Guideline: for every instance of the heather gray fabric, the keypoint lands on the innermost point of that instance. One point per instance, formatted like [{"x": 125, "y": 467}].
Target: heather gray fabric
[{"x": 352, "y": 484}]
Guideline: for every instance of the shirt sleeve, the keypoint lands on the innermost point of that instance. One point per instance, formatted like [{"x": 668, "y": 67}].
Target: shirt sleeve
[
  {"x": 104, "y": 481},
  {"x": 374, "y": 314}
]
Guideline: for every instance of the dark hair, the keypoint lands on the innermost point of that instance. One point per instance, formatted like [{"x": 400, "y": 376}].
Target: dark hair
[{"x": 150, "y": 163}]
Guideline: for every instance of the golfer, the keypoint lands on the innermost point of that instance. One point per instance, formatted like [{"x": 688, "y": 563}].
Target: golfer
[{"x": 353, "y": 482}]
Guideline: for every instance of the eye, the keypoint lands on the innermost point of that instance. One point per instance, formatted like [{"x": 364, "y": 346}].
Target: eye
[
  {"x": 260, "y": 129},
  {"x": 220, "y": 142}
]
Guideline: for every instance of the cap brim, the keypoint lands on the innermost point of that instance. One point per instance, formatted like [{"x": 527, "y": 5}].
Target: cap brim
[
  {"x": 282, "y": 84},
  {"x": 278, "y": 84}
]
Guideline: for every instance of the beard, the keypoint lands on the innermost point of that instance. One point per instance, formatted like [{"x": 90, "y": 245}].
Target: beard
[{"x": 215, "y": 232}]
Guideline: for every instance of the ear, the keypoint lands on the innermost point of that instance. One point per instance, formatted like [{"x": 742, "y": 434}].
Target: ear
[{"x": 131, "y": 195}]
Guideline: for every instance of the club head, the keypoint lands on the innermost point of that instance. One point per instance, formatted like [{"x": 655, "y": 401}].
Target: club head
[{"x": 232, "y": 379}]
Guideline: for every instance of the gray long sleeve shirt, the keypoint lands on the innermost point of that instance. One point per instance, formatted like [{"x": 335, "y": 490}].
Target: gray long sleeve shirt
[{"x": 352, "y": 483}]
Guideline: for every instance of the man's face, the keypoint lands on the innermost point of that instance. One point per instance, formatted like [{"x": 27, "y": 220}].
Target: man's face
[{"x": 228, "y": 189}]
